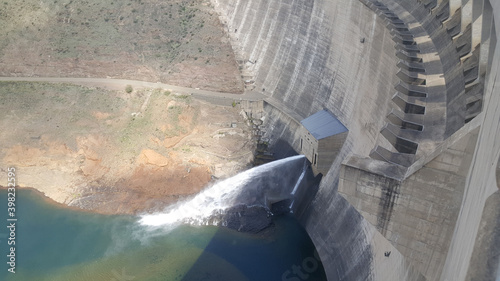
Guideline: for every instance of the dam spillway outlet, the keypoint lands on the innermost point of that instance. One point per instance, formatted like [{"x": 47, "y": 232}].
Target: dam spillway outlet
[{"x": 260, "y": 186}]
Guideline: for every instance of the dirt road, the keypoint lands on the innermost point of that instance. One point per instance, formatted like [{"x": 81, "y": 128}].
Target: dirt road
[{"x": 120, "y": 84}]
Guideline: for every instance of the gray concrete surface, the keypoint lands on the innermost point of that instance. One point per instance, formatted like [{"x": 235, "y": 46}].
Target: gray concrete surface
[
  {"x": 417, "y": 215},
  {"x": 485, "y": 258},
  {"x": 309, "y": 56},
  {"x": 481, "y": 180},
  {"x": 341, "y": 55}
]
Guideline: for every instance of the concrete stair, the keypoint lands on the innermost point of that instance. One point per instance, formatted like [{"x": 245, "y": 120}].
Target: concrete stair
[
  {"x": 404, "y": 128},
  {"x": 408, "y": 104},
  {"x": 406, "y": 121},
  {"x": 411, "y": 66},
  {"x": 442, "y": 12},
  {"x": 474, "y": 100},
  {"x": 429, "y": 4},
  {"x": 407, "y": 48},
  {"x": 453, "y": 24},
  {"x": 402, "y": 159},
  {"x": 409, "y": 56},
  {"x": 463, "y": 42},
  {"x": 411, "y": 90},
  {"x": 399, "y": 139}
]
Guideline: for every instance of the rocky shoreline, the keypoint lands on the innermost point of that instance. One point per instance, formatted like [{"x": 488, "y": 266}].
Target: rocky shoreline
[{"x": 114, "y": 152}]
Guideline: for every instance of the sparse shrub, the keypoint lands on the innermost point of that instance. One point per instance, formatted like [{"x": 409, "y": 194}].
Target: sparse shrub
[{"x": 129, "y": 89}]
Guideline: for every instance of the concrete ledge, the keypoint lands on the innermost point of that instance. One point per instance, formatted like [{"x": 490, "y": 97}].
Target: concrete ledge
[
  {"x": 399, "y": 172},
  {"x": 442, "y": 12},
  {"x": 467, "y": 128},
  {"x": 400, "y": 120},
  {"x": 394, "y": 136},
  {"x": 406, "y": 134},
  {"x": 412, "y": 78},
  {"x": 402, "y": 159},
  {"x": 453, "y": 24},
  {"x": 377, "y": 167},
  {"x": 407, "y": 48},
  {"x": 408, "y": 56},
  {"x": 403, "y": 100},
  {"x": 411, "y": 90}
]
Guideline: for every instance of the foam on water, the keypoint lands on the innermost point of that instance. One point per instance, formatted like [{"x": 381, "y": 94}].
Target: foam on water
[{"x": 251, "y": 187}]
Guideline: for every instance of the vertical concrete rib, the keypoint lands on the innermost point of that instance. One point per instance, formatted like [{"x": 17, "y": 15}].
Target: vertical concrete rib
[
  {"x": 466, "y": 17},
  {"x": 337, "y": 54},
  {"x": 485, "y": 259},
  {"x": 486, "y": 33},
  {"x": 442, "y": 11},
  {"x": 477, "y": 22},
  {"x": 299, "y": 59},
  {"x": 455, "y": 6},
  {"x": 262, "y": 41},
  {"x": 241, "y": 23},
  {"x": 481, "y": 182},
  {"x": 274, "y": 56},
  {"x": 267, "y": 39}
]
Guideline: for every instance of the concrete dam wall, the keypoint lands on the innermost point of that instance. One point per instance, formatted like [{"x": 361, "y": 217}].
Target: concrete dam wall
[{"x": 411, "y": 193}]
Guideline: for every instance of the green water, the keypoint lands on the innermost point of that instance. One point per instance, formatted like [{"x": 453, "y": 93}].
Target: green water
[{"x": 54, "y": 243}]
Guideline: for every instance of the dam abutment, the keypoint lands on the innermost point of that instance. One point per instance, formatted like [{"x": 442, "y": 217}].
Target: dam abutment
[{"x": 414, "y": 84}]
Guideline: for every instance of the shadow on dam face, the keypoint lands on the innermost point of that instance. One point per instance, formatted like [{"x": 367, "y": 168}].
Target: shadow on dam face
[
  {"x": 282, "y": 149},
  {"x": 485, "y": 260},
  {"x": 498, "y": 173},
  {"x": 284, "y": 184}
]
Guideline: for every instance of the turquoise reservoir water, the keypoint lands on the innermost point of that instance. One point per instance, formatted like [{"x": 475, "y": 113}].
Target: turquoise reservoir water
[{"x": 54, "y": 243}]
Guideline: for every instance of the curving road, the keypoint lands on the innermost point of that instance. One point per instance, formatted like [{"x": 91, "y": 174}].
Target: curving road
[{"x": 119, "y": 84}]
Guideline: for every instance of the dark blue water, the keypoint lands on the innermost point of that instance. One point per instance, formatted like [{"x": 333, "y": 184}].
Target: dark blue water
[{"x": 54, "y": 243}]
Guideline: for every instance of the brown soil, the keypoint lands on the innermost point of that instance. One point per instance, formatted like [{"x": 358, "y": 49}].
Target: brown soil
[
  {"x": 178, "y": 42},
  {"x": 113, "y": 152}
]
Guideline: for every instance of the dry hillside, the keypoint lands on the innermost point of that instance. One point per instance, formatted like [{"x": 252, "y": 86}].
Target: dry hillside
[
  {"x": 117, "y": 152},
  {"x": 179, "y": 42}
]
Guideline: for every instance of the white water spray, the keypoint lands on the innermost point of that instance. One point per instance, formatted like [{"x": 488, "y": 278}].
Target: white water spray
[{"x": 273, "y": 180}]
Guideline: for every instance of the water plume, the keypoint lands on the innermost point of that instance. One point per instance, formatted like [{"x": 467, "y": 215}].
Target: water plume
[{"x": 261, "y": 186}]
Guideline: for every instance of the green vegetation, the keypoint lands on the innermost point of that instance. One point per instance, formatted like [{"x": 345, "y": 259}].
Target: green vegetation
[
  {"x": 182, "y": 97},
  {"x": 173, "y": 120},
  {"x": 93, "y": 29},
  {"x": 163, "y": 109},
  {"x": 54, "y": 108},
  {"x": 129, "y": 89}
]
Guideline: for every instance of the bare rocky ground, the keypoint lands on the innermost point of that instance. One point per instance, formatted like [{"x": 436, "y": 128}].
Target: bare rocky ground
[
  {"x": 178, "y": 42},
  {"x": 117, "y": 152},
  {"x": 112, "y": 151}
]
